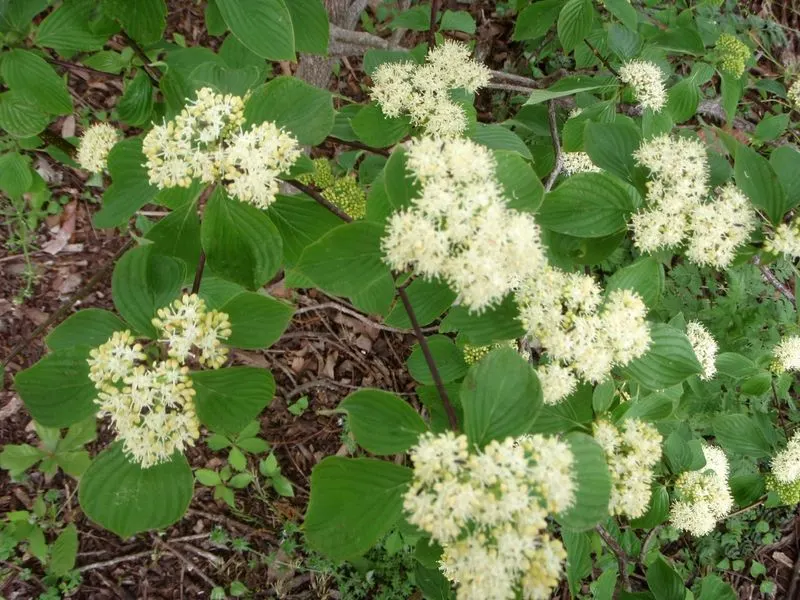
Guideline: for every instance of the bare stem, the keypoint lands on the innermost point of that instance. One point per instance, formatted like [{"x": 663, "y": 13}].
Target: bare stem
[
  {"x": 59, "y": 142},
  {"x": 198, "y": 274},
  {"x": 309, "y": 191},
  {"x": 559, "y": 166},
  {"x": 154, "y": 75},
  {"x": 601, "y": 58},
  {"x": 770, "y": 278},
  {"x": 622, "y": 558},
  {"x": 358, "y": 145},
  {"x": 432, "y": 31}
]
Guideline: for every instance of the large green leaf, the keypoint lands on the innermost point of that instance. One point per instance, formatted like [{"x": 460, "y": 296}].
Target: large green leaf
[
  {"x": 497, "y": 137},
  {"x": 143, "y": 282},
  {"x": 124, "y": 498},
  {"x": 521, "y": 186},
  {"x": 15, "y": 174},
  {"x": 400, "y": 185},
  {"x": 57, "y": 390},
  {"x": 354, "y": 502},
  {"x": 136, "y": 103},
  {"x": 501, "y": 397},
  {"x": 669, "y": 360},
  {"x": 130, "y": 189},
  {"x": 593, "y": 489},
  {"x": 494, "y": 324},
  {"x": 575, "y": 23},
  {"x": 569, "y": 86},
  {"x": 264, "y": 26},
  {"x": 712, "y": 587},
  {"x": 240, "y": 241},
  {"x": 589, "y": 205},
  {"x": 657, "y": 512},
  {"x": 64, "y": 551},
  {"x": 611, "y": 147},
  {"x": 756, "y": 178},
  {"x": 310, "y": 25},
  {"x": 645, "y": 277},
  {"x": 28, "y": 74},
  {"x": 741, "y": 434},
  {"x": 304, "y": 110},
  {"x": 785, "y": 161},
  {"x": 19, "y": 117},
  {"x": 429, "y": 299},
  {"x": 376, "y": 129},
  {"x": 228, "y": 399},
  {"x": 178, "y": 234},
  {"x": 143, "y": 20},
  {"x": 301, "y": 221},
  {"x": 382, "y": 423},
  {"x": 17, "y": 15},
  {"x": 683, "y": 100},
  {"x": 624, "y": 11},
  {"x": 664, "y": 582},
  {"x": 536, "y": 19},
  {"x": 89, "y": 327},
  {"x": 574, "y": 412},
  {"x": 67, "y": 29},
  {"x": 257, "y": 321},
  {"x": 448, "y": 358}
]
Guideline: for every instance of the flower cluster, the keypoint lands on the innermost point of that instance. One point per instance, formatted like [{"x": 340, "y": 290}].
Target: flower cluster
[
  {"x": 733, "y": 53},
  {"x": 647, "y": 81},
  {"x": 705, "y": 348},
  {"x": 459, "y": 227},
  {"x": 787, "y": 354},
  {"x": 206, "y": 142},
  {"x": 423, "y": 91},
  {"x": 785, "y": 240},
  {"x": 488, "y": 510},
  {"x": 786, "y": 464},
  {"x": 95, "y": 144},
  {"x": 704, "y": 496},
  {"x": 794, "y": 93},
  {"x": 632, "y": 450},
  {"x": 676, "y": 207},
  {"x": 578, "y": 162},
  {"x": 152, "y": 405},
  {"x": 473, "y": 354},
  {"x": 558, "y": 382},
  {"x": 580, "y": 332}
]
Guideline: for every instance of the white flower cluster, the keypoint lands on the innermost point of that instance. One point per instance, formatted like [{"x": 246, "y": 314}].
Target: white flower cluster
[
  {"x": 704, "y": 497},
  {"x": 786, "y": 463},
  {"x": 785, "y": 240},
  {"x": 647, "y": 81},
  {"x": 676, "y": 207},
  {"x": 95, "y": 144},
  {"x": 632, "y": 450},
  {"x": 794, "y": 93},
  {"x": 705, "y": 348},
  {"x": 423, "y": 91},
  {"x": 488, "y": 510},
  {"x": 206, "y": 142},
  {"x": 152, "y": 405},
  {"x": 584, "y": 335},
  {"x": 459, "y": 227},
  {"x": 787, "y": 354},
  {"x": 578, "y": 162}
]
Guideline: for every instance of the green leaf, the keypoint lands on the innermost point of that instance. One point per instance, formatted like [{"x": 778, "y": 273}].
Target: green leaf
[
  {"x": 17, "y": 458},
  {"x": 683, "y": 100},
  {"x": 106, "y": 61},
  {"x": 136, "y": 103},
  {"x": 593, "y": 485},
  {"x": 497, "y": 137},
  {"x": 346, "y": 260},
  {"x": 579, "y": 560},
  {"x": 669, "y": 360},
  {"x": 623, "y": 10},
  {"x": 19, "y": 117},
  {"x": 785, "y": 161},
  {"x": 282, "y": 485},
  {"x": 536, "y": 20},
  {"x": 237, "y": 460},
  {"x": 88, "y": 327},
  {"x": 416, "y": 18},
  {"x": 448, "y": 358},
  {"x": 64, "y": 551},
  {"x": 37, "y": 544},
  {"x": 712, "y": 587},
  {"x": 521, "y": 186},
  {"x": 771, "y": 127},
  {"x": 732, "y": 90},
  {"x": 178, "y": 234},
  {"x": 735, "y": 365},
  {"x": 301, "y": 221},
  {"x": 657, "y": 512},
  {"x": 207, "y": 477},
  {"x": 611, "y": 147},
  {"x": 569, "y": 86},
  {"x": 17, "y": 15},
  {"x": 400, "y": 185},
  {"x": 588, "y": 205},
  {"x": 130, "y": 189},
  {"x": 574, "y": 412},
  {"x": 215, "y": 24},
  {"x": 143, "y": 20},
  {"x": 257, "y": 321},
  {"x": 78, "y": 435},
  {"x": 310, "y": 24},
  {"x": 74, "y": 462},
  {"x": 228, "y": 399},
  {"x": 654, "y": 407},
  {"x": 382, "y": 423},
  {"x": 304, "y": 110},
  {"x": 603, "y": 396},
  {"x": 264, "y": 26},
  {"x": 142, "y": 283},
  {"x": 741, "y": 435},
  {"x": 501, "y": 397},
  {"x": 28, "y": 74},
  {"x": 459, "y": 20},
  {"x": 624, "y": 42},
  {"x": 240, "y": 241},
  {"x": 57, "y": 390},
  {"x": 354, "y": 502},
  {"x": 683, "y": 40},
  {"x": 68, "y": 29},
  {"x": 664, "y": 582},
  {"x": 429, "y": 299},
  {"x": 645, "y": 277},
  {"x": 575, "y": 23},
  {"x": 15, "y": 174},
  {"x": 494, "y": 324},
  {"x": 124, "y": 498},
  {"x": 756, "y": 178},
  {"x": 376, "y": 129}
]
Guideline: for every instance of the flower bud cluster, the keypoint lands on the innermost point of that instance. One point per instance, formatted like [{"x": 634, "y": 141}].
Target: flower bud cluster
[
  {"x": 733, "y": 54},
  {"x": 647, "y": 81},
  {"x": 474, "y": 354},
  {"x": 206, "y": 142},
  {"x": 632, "y": 450},
  {"x": 95, "y": 145},
  {"x": 423, "y": 91},
  {"x": 488, "y": 510},
  {"x": 152, "y": 405},
  {"x": 343, "y": 191},
  {"x": 459, "y": 227},
  {"x": 705, "y": 348},
  {"x": 704, "y": 496}
]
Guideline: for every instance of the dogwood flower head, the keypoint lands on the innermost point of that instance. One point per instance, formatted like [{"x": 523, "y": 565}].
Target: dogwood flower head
[
  {"x": 578, "y": 162},
  {"x": 112, "y": 361},
  {"x": 786, "y": 463},
  {"x": 794, "y": 93},
  {"x": 719, "y": 227},
  {"x": 423, "y": 91},
  {"x": 733, "y": 54},
  {"x": 785, "y": 240},
  {"x": 632, "y": 450},
  {"x": 557, "y": 382},
  {"x": 95, "y": 145},
  {"x": 647, "y": 81},
  {"x": 488, "y": 510},
  {"x": 787, "y": 354},
  {"x": 704, "y": 496},
  {"x": 705, "y": 348},
  {"x": 459, "y": 228}
]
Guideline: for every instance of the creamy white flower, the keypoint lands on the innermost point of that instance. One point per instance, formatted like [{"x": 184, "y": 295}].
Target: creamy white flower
[
  {"x": 704, "y": 497},
  {"x": 786, "y": 463},
  {"x": 95, "y": 145},
  {"x": 719, "y": 227},
  {"x": 578, "y": 162},
  {"x": 794, "y": 93},
  {"x": 704, "y": 346},
  {"x": 647, "y": 81},
  {"x": 787, "y": 354},
  {"x": 557, "y": 382},
  {"x": 785, "y": 240}
]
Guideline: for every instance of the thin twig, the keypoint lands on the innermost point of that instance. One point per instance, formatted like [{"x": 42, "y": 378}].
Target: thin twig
[
  {"x": 59, "y": 142},
  {"x": 755, "y": 504},
  {"x": 559, "y": 166},
  {"x": 509, "y": 88},
  {"x": 359, "y": 145},
  {"x": 622, "y": 558},
  {"x": 68, "y": 304},
  {"x": 154, "y": 75},
  {"x": 198, "y": 274},
  {"x": 73, "y": 66},
  {"x": 356, "y": 315},
  {"x": 309, "y": 191},
  {"x": 647, "y": 542},
  {"x": 432, "y": 31},
  {"x": 601, "y": 58},
  {"x": 185, "y": 560},
  {"x": 426, "y": 351},
  {"x": 770, "y": 278}
]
